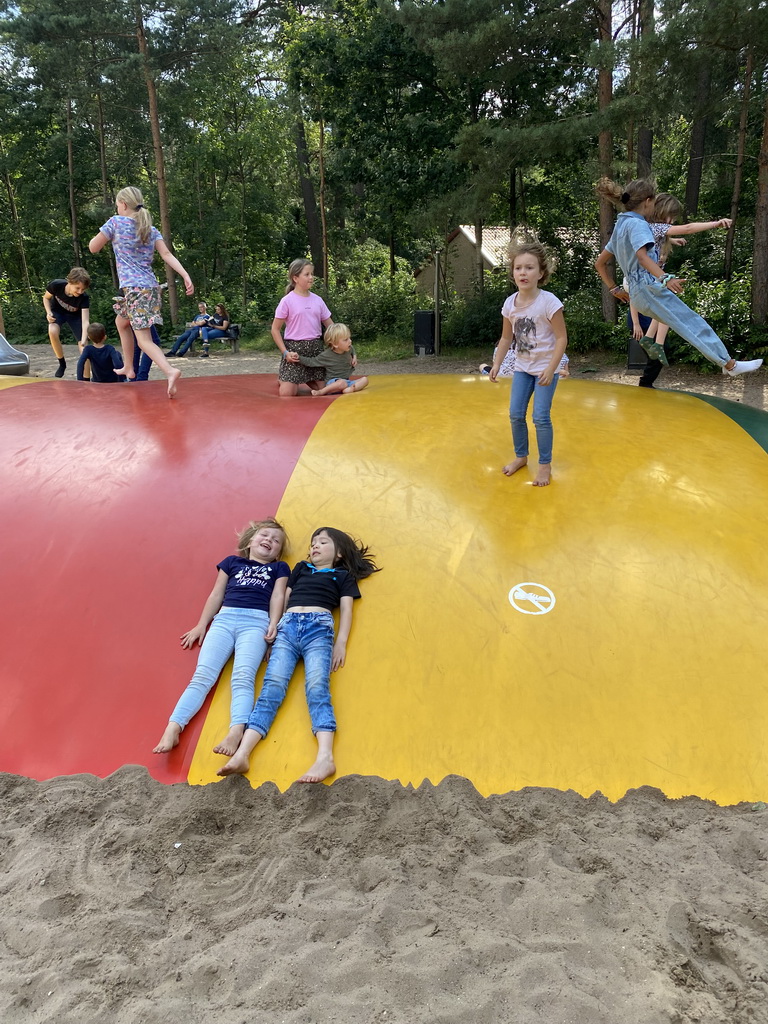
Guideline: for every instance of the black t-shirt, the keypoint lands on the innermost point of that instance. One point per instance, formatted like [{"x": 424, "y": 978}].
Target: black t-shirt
[
  {"x": 320, "y": 588},
  {"x": 63, "y": 303}
]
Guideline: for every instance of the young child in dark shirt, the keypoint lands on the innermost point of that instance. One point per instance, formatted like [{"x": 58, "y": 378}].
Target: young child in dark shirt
[
  {"x": 104, "y": 359},
  {"x": 327, "y": 580},
  {"x": 338, "y": 359}
]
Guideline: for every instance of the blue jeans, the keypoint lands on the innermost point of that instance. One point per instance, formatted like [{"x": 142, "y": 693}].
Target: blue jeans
[
  {"x": 234, "y": 629},
  {"x": 212, "y": 333},
  {"x": 654, "y": 300},
  {"x": 523, "y": 386},
  {"x": 307, "y": 635},
  {"x": 182, "y": 344}
]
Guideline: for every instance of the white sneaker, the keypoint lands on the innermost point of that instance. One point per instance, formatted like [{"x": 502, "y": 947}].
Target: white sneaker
[{"x": 749, "y": 367}]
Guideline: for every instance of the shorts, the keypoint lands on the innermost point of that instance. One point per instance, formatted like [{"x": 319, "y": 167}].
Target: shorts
[
  {"x": 295, "y": 373},
  {"x": 73, "y": 320},
  {"x": 141, "y": 306},
  {"x": 333, "y": 380}
]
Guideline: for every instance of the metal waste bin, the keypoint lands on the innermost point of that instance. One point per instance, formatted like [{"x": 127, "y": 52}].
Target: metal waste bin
[{"x": 424, "y": 332}]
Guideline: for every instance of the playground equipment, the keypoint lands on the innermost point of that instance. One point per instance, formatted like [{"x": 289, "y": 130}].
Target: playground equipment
[
  {"x": 599, "y": 634},
  {"x": 11, "y": 360}
]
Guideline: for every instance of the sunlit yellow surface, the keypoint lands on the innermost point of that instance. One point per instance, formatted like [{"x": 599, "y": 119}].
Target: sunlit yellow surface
[
  {"x": 648, "y": 669},
  {"x": 7, "y": 381}
]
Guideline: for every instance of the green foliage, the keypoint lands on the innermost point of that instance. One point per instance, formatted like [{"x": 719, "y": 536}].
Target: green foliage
[
  {"x": 586, "y": 328},
  {"x": 725, "y": 305},
  {"x": 468, "y": 322}
]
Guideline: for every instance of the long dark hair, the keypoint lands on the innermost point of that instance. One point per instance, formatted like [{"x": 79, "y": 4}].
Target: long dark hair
[{"x": 351, "y": 554}]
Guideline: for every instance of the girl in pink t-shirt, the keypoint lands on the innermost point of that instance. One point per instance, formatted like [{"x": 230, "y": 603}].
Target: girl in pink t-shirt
[
  {"x": 303, "y": 315},
  {"x": 534, "y": 325}
]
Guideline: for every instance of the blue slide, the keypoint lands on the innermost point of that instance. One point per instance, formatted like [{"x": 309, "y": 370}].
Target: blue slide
[{"x": 11, "y": 361}]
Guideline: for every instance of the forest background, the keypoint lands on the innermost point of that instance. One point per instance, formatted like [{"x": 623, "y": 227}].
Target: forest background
[{"x": 361, "y": 132}]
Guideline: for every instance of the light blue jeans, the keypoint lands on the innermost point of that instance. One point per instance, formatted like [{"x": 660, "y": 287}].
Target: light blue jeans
[
  {"x": 307, "y": 635},
  {"x": 523, "y": 386},
  {"x": 234, "y": 629},
  {"x": 656, "y": 301}
]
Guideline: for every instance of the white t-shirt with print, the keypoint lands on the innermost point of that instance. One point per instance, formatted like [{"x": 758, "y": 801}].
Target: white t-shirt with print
[{"x": 533, "y": 338}]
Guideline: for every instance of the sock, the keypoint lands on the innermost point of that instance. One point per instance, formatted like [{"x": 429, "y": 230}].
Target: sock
[{"x": 62, "y": 368}]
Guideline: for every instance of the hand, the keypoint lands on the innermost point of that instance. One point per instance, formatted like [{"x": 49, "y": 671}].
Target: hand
[
  {"x": 494, "y": 371},
  {"x": 192, "y": 636},
  {"x": 354, "y": 362},
  {"x": 620, "y": 293},
  {"x": 545, "y": 378},
  {"x": 724, "y": 222},
  {"x": 339, "y": 655},
  {"x": 271, "y": 633},
  {"x": 676, "y": 285},
  {"x": 291, "y": 357},
  {"x": 676, "y": 241},
  {"x": 189, "y": 288},
  {"x": 637, "y": 332},
  {"x": 564, "y": 372}
]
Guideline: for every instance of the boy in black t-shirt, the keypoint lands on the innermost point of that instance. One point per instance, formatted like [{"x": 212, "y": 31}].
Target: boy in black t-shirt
[{"x": 65, "y": 302}]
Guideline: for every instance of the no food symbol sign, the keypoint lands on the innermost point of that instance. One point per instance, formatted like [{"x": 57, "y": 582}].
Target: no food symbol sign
[{"x": 532, "y": 598}]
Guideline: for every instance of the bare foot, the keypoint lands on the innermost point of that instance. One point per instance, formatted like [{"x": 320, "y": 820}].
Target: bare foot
[
  {"x": 543, "y": 476},
  {"x": 323, "y": 767},
  {"x": 173, "y": 377},
  {"x": 512, "y": 467},
  {"x": 129, "y": 373},
  {"x": 314, "y": 393},
  {"x": 231, "y": 741},
  {"x": 169, "y": 739},
  {"x": 237, "y": 765}
]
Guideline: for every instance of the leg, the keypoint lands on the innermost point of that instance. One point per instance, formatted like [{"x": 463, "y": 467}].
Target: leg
[
  {"x": 318, "y": 653},
  {"x": 250, "y": 648},
  {"x": 356, "y": 385},
  {"x": 282, "y": 662},
  {"x": 155, "y": 353},
  {"x": 542, "y": 420},
  {"x": 125, "y": 331},
  {"x": 522, "y": 389},
  {"x": 335, "y": 388},
  {"x": 54, "y": 336},
  {"x": 287, "y": 389},
  {"x": 186, "y": 340},
  {"x": 217, "y": 646}
]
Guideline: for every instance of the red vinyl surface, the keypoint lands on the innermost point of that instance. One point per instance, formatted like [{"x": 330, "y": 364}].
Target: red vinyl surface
[{"x": 110, "y": 493}]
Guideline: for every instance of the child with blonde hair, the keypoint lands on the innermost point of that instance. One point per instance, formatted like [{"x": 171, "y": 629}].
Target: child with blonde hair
[
  {"x": 338, "y": 360},
  {"x": 652, "y": 292},
  {"x": 243, "y": 610},
  {"x": 135, "y": 242},
  {"x": 532, "y": 324}
]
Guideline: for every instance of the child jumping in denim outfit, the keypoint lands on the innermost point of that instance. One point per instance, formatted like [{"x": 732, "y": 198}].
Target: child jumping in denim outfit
[
  {"x": 245, "y": 606},
  {"x": 327, "y": 580},
  {"x": 652, "y": 292},
  {"x": 532, "y": 323}
]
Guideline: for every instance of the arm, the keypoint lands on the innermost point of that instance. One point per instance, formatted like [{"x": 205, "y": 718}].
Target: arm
[
  {"x": 561, "y": 340},
  {"x": 695, "y": 228},
  {"x": 603, "y": 264},
  {"x": 98, "y": 242},
  {"x": 327, "y": 323},
  {"x": 345, "y": 624},
  {"x": 312, "y": 361},
  {"x": 117, "y": 359},
  {"x": 637, "y": 330},
  {"x": 47, "y": 307},
  {"x": 276, "y": 606},
  {"x": 211, "y": 606},
  {"x": 174, "y": 264},
  {"x": 507, "y": 337},
  {"x": 85, "y": 320},
  {"x": 277, "y": 334},
  {"x": 675, "y": 284},
  {"x": 81, "y": 365}
]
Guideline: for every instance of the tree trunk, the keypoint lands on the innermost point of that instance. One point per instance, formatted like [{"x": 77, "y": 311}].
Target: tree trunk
[
  {"x": 314, "y": 231},
  {"x": 512, "y": 201},
  {"x": 15, "y": 220},
  {"x": 605, "y": 142},
  {"x": 479, "y": 265},
  {"x": 71, "y": 174},
  {"x": 157, "y": 143},
  {"x": 698, "y": 140},
  {"x": 646, "y": 29},
  {"x": 739, "y": 169},
  {"x": 106, "y": 193},
  {"x": 323, "y": 219},
  {"x": 760, "y": 255}
]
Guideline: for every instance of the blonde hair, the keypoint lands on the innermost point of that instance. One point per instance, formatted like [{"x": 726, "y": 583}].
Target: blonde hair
[
  {"x": 79, "y": 275},
  {"x": 336, "y": 333},
  {"x": 668, "y": 209},
  {"x": 294, "y": 270},
  {"x": 246, "y": 536},
  {"x": 529, "y": 245},
  {"x": 628, "y": 196},
  {"x": 134, "y": 200}
]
